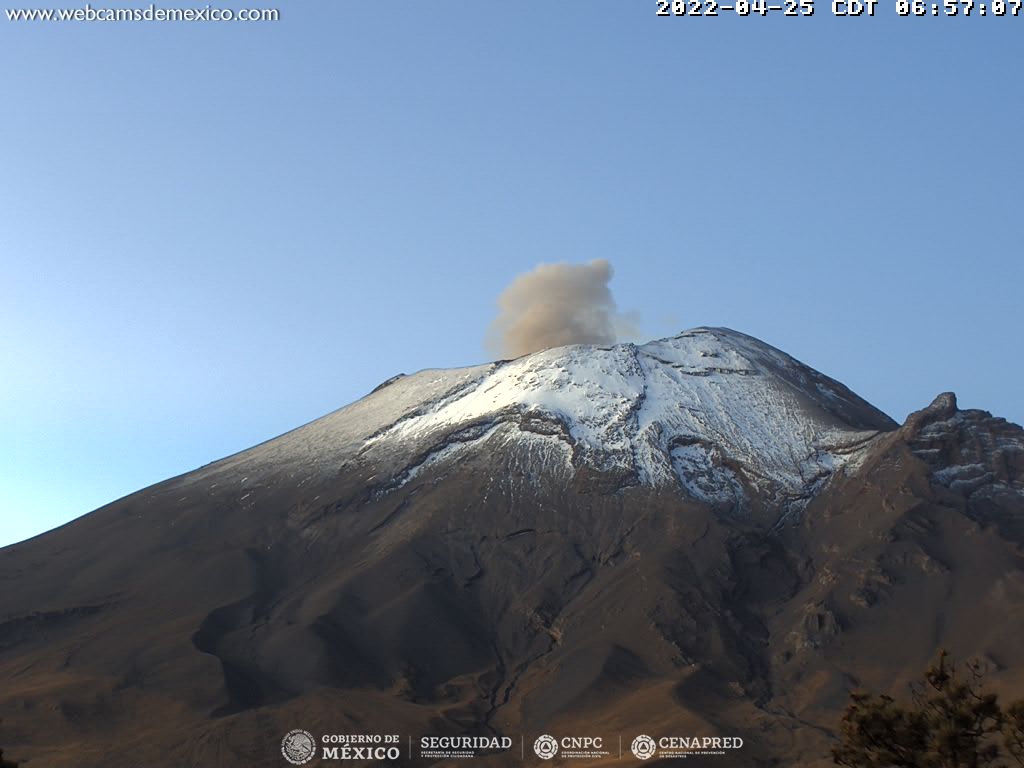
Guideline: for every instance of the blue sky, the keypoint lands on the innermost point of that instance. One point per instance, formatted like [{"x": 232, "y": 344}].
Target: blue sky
[{"x": 212, "y": 233}]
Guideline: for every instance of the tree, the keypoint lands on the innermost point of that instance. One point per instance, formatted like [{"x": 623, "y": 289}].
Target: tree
[
  {"x": 1013, "y": 731},
  {"x": 952, "y": 722}
]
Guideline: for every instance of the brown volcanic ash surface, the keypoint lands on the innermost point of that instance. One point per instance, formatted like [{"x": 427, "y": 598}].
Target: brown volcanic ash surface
[{"x": 696, "y": 536}]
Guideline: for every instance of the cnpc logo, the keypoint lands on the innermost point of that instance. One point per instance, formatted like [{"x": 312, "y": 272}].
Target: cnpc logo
[{"x": 547, "y": 747}]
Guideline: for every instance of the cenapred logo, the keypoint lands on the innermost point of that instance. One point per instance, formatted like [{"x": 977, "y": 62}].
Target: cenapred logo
[
  {"x": 678, "y": 747},
  {"x": 643, "y": 747},
  {"x": 298, "y": 746},
  {"x": 546, "y": 747}
]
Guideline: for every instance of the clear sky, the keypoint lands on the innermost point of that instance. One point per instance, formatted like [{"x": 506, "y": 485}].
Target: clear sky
[{"x": 212, "y": 233}]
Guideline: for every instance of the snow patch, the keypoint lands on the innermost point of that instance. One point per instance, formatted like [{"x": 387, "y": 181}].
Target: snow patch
[{"x": 708, "y": 412}]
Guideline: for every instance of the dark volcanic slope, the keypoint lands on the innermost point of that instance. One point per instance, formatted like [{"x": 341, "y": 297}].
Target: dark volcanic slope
[{"x": 695, "y": 536}]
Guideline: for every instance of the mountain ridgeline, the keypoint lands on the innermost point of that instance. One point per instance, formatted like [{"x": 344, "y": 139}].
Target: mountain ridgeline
[{"x": 699, "y": 535}]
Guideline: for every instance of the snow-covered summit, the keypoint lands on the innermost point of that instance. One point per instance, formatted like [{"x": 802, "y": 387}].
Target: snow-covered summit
[{"x": 711, "y": 411}]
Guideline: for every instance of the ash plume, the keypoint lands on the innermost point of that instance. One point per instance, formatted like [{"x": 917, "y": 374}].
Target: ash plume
[{"x": 557, "y": 304}]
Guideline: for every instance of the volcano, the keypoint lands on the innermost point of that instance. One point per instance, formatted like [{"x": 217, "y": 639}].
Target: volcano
[{"x": 695, "y": 537}]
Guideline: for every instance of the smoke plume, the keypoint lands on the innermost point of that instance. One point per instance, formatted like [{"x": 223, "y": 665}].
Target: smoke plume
[{"x": 554, "y": 305}]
